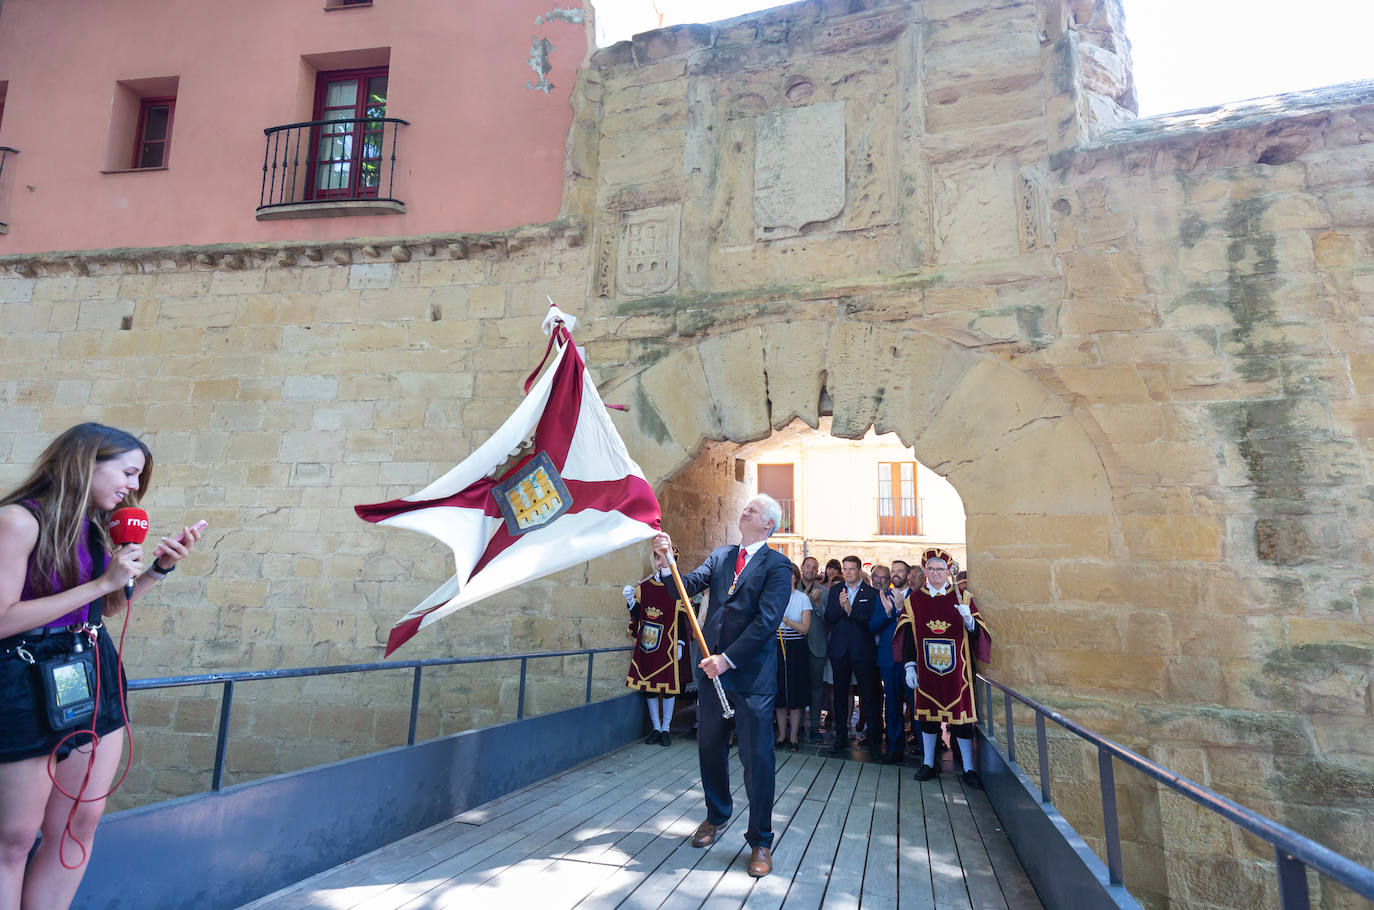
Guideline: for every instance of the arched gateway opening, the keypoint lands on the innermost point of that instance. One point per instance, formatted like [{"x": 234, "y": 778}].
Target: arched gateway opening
[
  {"x": 1034, "y": 490},
  {"x": 1031, "y": 481}
]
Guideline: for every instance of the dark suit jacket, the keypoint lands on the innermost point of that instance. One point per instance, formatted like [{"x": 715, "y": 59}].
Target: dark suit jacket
[
  {"x": 744, "y": 625},
  {"x": 883, "y": 626},
  {"x": 849, "y": 635}
]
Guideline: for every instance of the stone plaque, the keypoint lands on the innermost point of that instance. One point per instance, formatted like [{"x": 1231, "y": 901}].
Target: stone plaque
[
  {"x": 798, "y": 168},
  {"x": 852, "y": 31},
  {"x": 647, "y": 259}
]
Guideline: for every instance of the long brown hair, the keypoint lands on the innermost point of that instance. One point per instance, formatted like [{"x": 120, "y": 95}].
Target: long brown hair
[{"x": 61, "y": 486}]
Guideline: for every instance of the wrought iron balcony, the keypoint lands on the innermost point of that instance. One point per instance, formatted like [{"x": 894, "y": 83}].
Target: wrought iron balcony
[
  {"x": 323, "y": 168},
  {"x": 5, "y": 152},
  {"x": 788, "y": 525},
  {"x": 901, "y": 516}
]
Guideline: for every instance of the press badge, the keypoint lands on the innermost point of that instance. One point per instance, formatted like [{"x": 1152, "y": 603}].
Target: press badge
[{"x": 69, "y": 689}]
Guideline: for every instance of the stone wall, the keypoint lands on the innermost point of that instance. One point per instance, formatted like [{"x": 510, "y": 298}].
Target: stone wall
[{"x": 1139, "y": 352}]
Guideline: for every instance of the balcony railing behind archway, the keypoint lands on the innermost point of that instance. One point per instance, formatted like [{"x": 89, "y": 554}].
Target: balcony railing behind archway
[{"x": 330, "y": 167}]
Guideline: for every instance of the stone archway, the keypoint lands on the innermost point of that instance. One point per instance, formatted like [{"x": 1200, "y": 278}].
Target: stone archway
[{"x": 1032, "y": 482}]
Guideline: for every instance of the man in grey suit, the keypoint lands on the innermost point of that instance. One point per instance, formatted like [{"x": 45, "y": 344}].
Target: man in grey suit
[{"x": 749, "y": 586}]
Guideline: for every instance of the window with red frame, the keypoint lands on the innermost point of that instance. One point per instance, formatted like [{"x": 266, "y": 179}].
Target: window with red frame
[
  {"x": 153, "y": 138},
  {"x": 347, "y": 151}
]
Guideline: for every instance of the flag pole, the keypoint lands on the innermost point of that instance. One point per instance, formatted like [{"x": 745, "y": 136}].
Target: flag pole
[{"x": 726, "y": 711}]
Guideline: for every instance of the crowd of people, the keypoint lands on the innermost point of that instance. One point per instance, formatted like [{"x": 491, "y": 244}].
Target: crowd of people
[
  {"x": 877, "y": 658},
  {"x": 782, "y": 642},
  {"x": 897, "y": 641}
]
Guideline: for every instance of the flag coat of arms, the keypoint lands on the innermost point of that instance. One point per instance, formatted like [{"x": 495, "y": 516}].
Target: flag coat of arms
[{"x": 553, "y": 487}]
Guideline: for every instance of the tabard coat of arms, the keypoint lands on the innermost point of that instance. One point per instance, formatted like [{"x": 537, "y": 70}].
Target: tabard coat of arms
[
  {"x": 650, "y": 633},
  {"x": 940, "y": 654}
]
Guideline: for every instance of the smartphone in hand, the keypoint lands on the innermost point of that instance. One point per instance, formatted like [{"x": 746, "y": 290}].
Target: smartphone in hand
[{"x": 198, "y": 526}]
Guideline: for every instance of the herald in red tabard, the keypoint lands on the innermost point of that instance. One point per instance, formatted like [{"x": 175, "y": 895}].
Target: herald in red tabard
[
  {"x": 657, "y": 625},
  {"x": 931, "y": 633}
]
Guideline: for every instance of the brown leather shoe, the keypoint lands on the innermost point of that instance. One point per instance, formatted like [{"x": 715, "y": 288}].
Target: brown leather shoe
[
  {"x": 760, "y": 862},
  {"x": 705, "y": 835}
]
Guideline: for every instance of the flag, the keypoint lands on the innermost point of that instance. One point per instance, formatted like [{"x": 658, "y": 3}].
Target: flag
[{"x": 553, "y": 487}]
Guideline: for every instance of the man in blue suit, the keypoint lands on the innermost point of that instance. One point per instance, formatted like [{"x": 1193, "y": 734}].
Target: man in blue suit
[
  {"x": 749, "y": 588},
  {"x": 852, "y": 652},
  {"x": 883, "y": 625}
]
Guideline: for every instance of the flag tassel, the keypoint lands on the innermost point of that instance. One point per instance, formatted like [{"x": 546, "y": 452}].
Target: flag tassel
[{"x": 726, "y": 711}]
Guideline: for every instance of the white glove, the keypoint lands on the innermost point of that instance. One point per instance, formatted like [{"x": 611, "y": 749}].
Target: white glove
[
  {"x": 679, "y": 650},
  {"x": 628, "y": 592},
  {"x": 911, "y": 675},
  {"x": 964, "y": 612}
]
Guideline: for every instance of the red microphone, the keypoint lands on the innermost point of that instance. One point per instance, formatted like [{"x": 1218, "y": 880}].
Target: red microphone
[{"x": 128, "y": 525}]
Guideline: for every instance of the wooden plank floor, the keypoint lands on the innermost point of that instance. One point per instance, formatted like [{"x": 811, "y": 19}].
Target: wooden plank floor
[{"x": 614, "y": 833}]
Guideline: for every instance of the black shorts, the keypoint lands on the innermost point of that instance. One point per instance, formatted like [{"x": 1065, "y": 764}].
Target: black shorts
[{"x": 24, "y": 729}]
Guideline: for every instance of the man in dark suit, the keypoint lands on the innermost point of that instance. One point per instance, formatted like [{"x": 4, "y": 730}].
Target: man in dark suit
[
  {"x": 852, "y": 652},
  {"x": 749, "y": 588}
]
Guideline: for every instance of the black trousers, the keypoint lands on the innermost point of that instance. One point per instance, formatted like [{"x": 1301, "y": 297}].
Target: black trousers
[
  {"x": 958, "y": 731},
  {"x": 865, "y": 675},
  {"x": 754, "y": 725}
]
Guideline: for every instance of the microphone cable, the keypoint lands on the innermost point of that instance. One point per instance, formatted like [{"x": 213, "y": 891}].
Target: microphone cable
[{"x": 79, "y": 797}]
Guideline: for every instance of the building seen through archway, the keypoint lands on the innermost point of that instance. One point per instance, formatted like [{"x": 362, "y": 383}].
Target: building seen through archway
[{"x": 866, "y": 496}]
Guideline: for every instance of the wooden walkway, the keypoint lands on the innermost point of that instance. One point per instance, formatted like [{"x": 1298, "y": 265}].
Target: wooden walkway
[{"x": 615, "y": 833}]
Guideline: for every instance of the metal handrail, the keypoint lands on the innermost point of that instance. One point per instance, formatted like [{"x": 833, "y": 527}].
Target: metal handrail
[
  {"x": 227, "y": 680},
  {"x": 1294, "y": 852}
]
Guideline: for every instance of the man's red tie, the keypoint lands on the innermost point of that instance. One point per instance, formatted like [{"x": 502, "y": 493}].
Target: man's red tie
[{"x": 739, "y": 562}]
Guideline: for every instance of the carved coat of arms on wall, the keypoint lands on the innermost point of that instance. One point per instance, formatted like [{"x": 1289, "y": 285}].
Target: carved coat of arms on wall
[
  {"x": 647, "y": 254},
  {"x": 799, "y": 168}
]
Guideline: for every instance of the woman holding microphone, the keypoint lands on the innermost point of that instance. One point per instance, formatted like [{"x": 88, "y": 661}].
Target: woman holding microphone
[{"x": 59, "y": 574}]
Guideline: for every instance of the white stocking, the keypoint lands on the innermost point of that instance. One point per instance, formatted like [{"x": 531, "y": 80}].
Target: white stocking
[
  {"x": 966, "y": 753},
  {"x": 928, "y": 743},
  {"x": 652, "y": 702},
  {"x": 668, "y": 711}
]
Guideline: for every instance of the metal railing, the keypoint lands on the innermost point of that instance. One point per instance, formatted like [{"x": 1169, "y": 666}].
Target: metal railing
[
  {"x": 900, "y": 516},
  {"x": 1293, "y": 851},
  {"x": 227, "y": 680},
  {"x": 330, "y": 161},
  {"x": 5, "y": 152},
  {"x": 789, "y": 516}
]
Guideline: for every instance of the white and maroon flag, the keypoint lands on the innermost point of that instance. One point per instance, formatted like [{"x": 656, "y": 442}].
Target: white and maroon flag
[{"x": 552, "y": 487}]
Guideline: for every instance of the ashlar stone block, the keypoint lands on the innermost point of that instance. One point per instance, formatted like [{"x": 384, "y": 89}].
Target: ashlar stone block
[
  {"x": 733, "y": 365},
  {"x": 675, "y": 389},
  {"x": 923, "y": 372},
  {"x": 975, "y": 211},
  {"x": 1053, "y": 469},
  {"x": 795, "y": 355},
  {"x": 855, "y": 378},
  {"x": 1174, "y": 537},
  {"x": 991, "y": 406}
]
